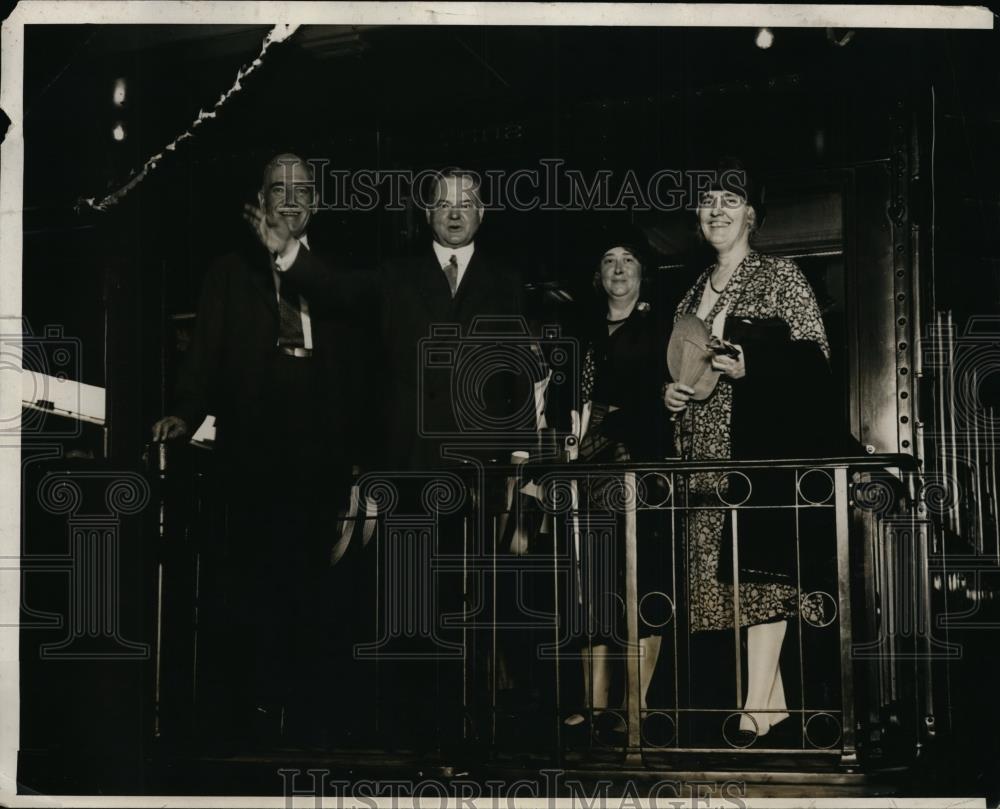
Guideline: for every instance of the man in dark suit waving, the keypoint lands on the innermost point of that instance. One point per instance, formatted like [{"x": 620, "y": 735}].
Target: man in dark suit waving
[{"x": 270, "y": 369}]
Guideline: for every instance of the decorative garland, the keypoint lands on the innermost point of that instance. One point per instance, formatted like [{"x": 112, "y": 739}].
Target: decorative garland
[{"x": 277, "y": 34}]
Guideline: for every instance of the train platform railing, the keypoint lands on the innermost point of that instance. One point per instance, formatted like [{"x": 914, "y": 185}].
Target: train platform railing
[
  {"x": 517, "y": 591},
  {"x": 544, "y": 582}
]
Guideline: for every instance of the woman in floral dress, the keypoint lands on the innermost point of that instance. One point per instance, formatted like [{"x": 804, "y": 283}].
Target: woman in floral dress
[{"x": 764, "y": 306}]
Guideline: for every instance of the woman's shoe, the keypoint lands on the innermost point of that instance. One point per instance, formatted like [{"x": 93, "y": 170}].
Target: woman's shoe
[
  {"x": 784, "y": 733},
  {"x": 744, "y": 738},
  {"x": 610, "y": 729},
  {"x": 576, "y": 731}
]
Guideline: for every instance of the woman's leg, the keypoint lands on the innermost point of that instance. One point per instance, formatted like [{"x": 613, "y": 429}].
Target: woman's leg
[
  {"x": 776, "y": 702},
  {"x": 600, "y": 676},
  {"x": 596, "y": 681},
  {"x": 763, "y": 650},
  {"x": 648, "y": 655}
]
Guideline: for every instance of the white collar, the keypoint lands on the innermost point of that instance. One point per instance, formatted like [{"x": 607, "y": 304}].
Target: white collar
[
  {"x": 282, "y": 263},
  {"x": 462, "y": 254}
]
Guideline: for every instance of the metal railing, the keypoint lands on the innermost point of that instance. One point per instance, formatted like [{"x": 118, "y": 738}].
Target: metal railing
[
  {"x": 488, "y": 636},
  {"x": 597, "y": 533}
]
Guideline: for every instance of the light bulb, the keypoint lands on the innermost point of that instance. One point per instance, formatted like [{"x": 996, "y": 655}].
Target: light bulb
[{"x": 765, "y": 38}]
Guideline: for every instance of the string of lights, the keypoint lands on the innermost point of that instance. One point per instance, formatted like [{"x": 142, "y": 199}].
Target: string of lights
[{"x": 279, "y": 33}]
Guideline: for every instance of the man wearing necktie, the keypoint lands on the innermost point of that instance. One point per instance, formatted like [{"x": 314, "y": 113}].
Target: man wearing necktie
[
  {"x": 426, "y": 423},
  {"x": 448, "y": 284},
  {"x": 272, "y": 374}
]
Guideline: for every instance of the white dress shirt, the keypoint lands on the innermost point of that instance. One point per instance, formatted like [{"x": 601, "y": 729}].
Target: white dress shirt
[
  {"x": 282, "y": 263},
  {"x": 463, "y": 255}
]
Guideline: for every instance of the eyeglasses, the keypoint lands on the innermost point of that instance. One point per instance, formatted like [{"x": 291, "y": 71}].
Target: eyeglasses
[{"x": 726, "y": 199}]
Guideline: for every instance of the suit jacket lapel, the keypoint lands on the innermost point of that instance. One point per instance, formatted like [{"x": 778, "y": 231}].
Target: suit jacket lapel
[
  {"x": 433, "y": 287},
  {"x": 475, "y": 285}
]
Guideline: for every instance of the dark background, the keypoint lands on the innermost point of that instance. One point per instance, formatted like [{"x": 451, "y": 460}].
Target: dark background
[{"x": 486, "y": 98}]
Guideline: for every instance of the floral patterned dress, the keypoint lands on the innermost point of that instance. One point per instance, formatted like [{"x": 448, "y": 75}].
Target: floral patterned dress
[{"x": 761, "y": 287}]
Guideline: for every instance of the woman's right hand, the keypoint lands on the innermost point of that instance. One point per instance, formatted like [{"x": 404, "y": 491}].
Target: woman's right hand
[{"x": 676, "y": 396}]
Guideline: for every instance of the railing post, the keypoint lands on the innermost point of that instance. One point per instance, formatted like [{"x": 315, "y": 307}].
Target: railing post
[
  {"x": 467, "y": 673},
  {"x": 556, "y": 667},
  {"x": 634, "y": 750},
  {"x": 849, "y": 753},
  {"x": 737, "y": 642},
  {"x": 494, "y": 644},
  {"x": 923, "y": 628}
]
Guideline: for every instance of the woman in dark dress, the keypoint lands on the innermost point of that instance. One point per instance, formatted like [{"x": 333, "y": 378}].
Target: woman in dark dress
[
  {"x": 623, "y": 419},
  {"x": 769, "y": 403}
]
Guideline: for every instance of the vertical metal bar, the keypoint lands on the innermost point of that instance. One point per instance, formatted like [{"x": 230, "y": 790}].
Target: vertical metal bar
[
  {"x": 798, "y": 589},
  {"x": 555, "y": 632},
  {"x": 911, "y": 568},
  {"x": 849, "y": 756},
  {"x": 688, "y": 567},
  {"x": 891, "y": 600},
  {"x": 465, "y": 626},
  {"x": 159, "y": 650},
  {"x": 945, "y": 597},
  {"x": 950, "y": 410},
  {"x": 916, "y": 311},
  {"x": 736, "y": 614},
  {"x": 161, "y": 530},
  {"x": 632, "y": 617},
  {"x": 973, "y": 532},
  {"x": 376, "y": 612},
  {"x": 915, "y": 352},
  {"x": 587, "y": 545},
  {"x": 106, "y": 428},
  {"x": 976, "y": 467},
  {"x": 676, "y": 601},
  {"x": 988, "y": 463},
  {"x": 494, "y": 657},
  {"x": 924, "y": 623},
  {"x": 873, "y": 615},
  {"x": 985, "y": 483},
  {"x": 574, "y": 523},
  {"x": 939, "y": 408},
  {"x": 995, "y": 499}
]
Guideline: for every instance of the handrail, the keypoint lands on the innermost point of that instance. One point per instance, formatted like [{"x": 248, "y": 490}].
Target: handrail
[{"x": 543, "y": 466}]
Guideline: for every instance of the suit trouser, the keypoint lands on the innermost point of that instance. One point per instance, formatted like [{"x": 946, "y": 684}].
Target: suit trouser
[
  {"x": 417, "y": 643},
  {"x": 284, "y": 493}
]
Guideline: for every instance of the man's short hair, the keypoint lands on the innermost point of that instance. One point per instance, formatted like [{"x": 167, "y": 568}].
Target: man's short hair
[
  {"x": 284, "y": 159},
  {"x": 429, "y": 192}
]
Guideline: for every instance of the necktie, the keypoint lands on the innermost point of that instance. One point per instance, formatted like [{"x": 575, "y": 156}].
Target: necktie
[
  {"x": 289, "y": 315},
  {"x": 451, "y": 273}
]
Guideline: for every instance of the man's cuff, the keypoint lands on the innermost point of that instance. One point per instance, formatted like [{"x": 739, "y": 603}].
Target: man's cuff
[{"x": 287, "y": 259}]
